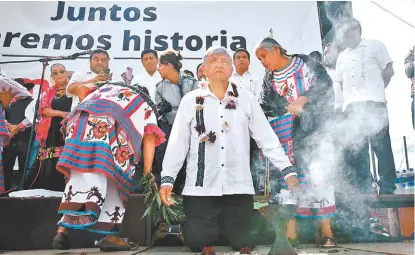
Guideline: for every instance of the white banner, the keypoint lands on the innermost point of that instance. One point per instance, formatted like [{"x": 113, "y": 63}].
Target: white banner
[{"x": 31, "y": 29}]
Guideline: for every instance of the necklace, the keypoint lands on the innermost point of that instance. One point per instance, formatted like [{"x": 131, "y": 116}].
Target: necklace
[
  {"x": 204, "y": 136},
  {"x": 59, "y": 93}
]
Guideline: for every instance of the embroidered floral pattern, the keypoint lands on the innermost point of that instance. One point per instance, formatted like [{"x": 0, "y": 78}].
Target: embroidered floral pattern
[
  {"x": 121, "y": 151},
  {"x": 70, "y": 130},
  {"x": 47, "y": 153},
  {"x": 124, "y": 94},
  {"x": 98, "y": 130},
  {"x": 289, "y": 151},
  {"x": 78, "y": 220},
  {"x": 282, "y": 88},
  {"x": 147, "y": 113},
  {"x": 122, "y": 154},
  {"x": 287, "y": 82},
  {"x": 60, "y": 93}
]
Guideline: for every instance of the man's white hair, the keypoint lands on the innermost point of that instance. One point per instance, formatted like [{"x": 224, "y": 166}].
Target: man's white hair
[{"x": 216, "y": 50}]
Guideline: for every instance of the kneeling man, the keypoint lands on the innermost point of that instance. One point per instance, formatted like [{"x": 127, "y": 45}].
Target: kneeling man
[{"x": 212, "y": 131}]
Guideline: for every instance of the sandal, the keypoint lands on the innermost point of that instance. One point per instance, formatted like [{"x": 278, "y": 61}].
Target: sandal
[
  {"x": 245, "y": 250},
  {"x": 208, "y": 251},
  {"x": 107, "y": 246},
  {"x": 328, "y": 243},
  {"x": 294, "y": 242},
  {"x": 377, "y": 228},
  {"x": 61, "y": 241},
  {"x": 161, "y": 230},
  {"x": 181, "y": 237}
]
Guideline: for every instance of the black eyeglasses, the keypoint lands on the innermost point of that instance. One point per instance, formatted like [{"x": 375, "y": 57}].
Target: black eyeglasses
[{"x": 60, "y": 72}]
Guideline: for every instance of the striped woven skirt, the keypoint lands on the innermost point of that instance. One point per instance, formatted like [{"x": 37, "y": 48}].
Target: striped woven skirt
[
  {"x": 97, "y": 159},
  {"x": 317, "y": 199}
]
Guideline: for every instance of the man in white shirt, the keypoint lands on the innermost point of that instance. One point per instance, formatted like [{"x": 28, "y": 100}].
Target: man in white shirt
[
  {"x": 99, "y": 62},
  {"x": 331, "y": 53},
  {"x": 242, "y": 77},
  {"x": 19, "y": 125},
  {"x": 212, "y": 131},
  {"x": 200, "y": 73},
  {"x": 363, "y": 70},
  {"x": 149, "y": 59}
]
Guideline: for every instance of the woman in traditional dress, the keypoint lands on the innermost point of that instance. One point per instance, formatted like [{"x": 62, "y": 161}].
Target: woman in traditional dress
[
  {"x": 5, "y": 99},
  {"x": 298, "y": 100},
  {"x": 169, "y": 93},
  {"x": 54, "y": 107},
  {"x": 104, "y": 135}
]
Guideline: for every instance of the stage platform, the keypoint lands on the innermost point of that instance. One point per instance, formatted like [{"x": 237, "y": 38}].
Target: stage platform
[
  {"x": 30, "y": 223},
  {"x": 344, "y": 249}
]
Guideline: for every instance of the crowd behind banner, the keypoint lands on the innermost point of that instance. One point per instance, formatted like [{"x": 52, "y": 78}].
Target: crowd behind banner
[{"x": 340, "y": 93}]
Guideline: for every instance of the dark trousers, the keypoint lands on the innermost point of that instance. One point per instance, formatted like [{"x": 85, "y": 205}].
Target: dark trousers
[
  {"x": 368, "y": 122},
  {"x": 357, "y": 171},
  {"x": 160, "y": 151},
  {"x": 207, "y": 216},
  {"x": 15, "y": 149}
]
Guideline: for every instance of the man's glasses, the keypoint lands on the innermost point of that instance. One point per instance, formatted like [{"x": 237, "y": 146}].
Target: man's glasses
[{"x": 60, "y": 72}]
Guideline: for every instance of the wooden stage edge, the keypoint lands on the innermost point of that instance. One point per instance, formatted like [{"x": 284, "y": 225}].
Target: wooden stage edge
[
  {"x": 30, "y": 223},
  {"x": 374, "y": 201}
]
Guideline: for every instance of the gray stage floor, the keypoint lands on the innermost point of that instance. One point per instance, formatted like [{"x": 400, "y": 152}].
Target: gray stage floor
[{"x": 344, "y": 249}]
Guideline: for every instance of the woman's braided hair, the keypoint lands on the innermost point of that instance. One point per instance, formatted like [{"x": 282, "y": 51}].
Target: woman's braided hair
[{"x": 139, "y": 89}]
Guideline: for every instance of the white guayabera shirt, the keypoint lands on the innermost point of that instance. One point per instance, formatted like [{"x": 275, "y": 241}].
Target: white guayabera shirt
[
  {"x": 81, "y": 77},
  {"x": 360, "y": 72},
  {"x": 148, "y": 81},
  {"x": 226, "y": 160},
  {"x": 337, "y": 88},
  {"x": 248, "y": 81}
]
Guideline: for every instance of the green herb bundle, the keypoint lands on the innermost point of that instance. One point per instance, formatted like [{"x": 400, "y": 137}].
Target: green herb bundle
[{"x": 155, "y": 209}]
